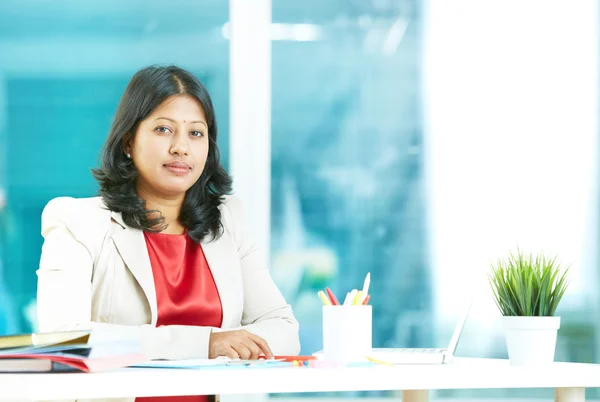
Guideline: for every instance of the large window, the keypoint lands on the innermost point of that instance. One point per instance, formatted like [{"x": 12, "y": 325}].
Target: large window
[{"x": 347, "y": 163}]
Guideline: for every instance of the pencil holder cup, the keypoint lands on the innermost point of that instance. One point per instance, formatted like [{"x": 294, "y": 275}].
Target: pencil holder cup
[{"x": 347, "y": 333}]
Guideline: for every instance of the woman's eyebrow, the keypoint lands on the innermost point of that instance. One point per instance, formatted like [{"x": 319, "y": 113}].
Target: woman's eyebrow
[{"x": 195, "y": 121}]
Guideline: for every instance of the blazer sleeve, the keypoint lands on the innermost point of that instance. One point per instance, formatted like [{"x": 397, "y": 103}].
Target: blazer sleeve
[
  {"x": 265, "y": 312},
  {"x": 64, "y": 294}
]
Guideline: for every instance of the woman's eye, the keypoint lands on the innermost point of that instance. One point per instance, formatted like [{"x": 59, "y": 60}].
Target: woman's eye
[
  {"x": 197, "y": 133},
  {"x": 162, "y": 129}
]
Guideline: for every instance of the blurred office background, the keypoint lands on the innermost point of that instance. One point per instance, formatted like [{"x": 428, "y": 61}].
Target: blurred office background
[{"x": 418, "y": 140}]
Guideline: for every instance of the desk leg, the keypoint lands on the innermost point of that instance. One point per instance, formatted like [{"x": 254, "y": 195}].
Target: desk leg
[
  {"x": 418, "y": 396},
  {"x": 569, "y": 395}
]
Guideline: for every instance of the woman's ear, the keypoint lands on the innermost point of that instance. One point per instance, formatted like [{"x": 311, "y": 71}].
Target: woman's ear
[{"x": 127, "y": 144}]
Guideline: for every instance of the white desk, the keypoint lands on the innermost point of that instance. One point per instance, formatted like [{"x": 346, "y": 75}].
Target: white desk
[{"x": 569, "y": 380}]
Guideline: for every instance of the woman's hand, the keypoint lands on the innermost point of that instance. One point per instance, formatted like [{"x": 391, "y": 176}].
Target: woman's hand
[{"x": 239, "y": 343}]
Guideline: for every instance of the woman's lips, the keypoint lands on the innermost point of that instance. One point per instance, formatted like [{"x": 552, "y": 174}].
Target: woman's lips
[{"x": 178, "y": 168}]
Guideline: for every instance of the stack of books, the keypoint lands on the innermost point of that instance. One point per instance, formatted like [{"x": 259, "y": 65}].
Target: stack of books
[{"x": 69, "y": 351}]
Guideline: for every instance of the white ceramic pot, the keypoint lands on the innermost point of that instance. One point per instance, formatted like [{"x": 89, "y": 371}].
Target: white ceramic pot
[{"x": 531, "y": 341}]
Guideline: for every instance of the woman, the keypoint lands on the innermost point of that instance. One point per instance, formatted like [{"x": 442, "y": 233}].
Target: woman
[{"x": 163, "y": 254}]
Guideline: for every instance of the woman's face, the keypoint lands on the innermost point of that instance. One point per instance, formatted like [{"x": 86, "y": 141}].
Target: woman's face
[{"x": 170, "y": 147}]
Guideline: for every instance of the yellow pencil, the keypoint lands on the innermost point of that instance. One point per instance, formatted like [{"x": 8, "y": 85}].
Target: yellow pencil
[
  {"x": 324, "y": 298},
  {"x": 377, "y": 361},
  {"x": 358, "y": 299}
]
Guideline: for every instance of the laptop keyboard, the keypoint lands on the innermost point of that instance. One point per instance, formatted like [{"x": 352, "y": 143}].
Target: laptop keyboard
[{"x": 417, "y": 350}]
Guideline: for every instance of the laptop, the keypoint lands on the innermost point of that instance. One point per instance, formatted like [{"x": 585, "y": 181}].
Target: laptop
[{"x": 422, "y": 355}]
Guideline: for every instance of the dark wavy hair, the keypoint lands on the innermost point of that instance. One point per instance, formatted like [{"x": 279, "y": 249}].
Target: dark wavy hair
[{"x": 117, "y": 175}]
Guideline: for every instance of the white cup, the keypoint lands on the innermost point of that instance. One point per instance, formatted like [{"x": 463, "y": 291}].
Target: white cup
[{"x": 347, "y": 333}]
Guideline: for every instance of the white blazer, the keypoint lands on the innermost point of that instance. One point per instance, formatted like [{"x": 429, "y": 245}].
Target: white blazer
[{"x": 95, "y": 273}]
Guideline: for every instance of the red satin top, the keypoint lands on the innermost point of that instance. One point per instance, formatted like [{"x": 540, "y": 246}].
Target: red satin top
[{"x": 186, "y": 293}]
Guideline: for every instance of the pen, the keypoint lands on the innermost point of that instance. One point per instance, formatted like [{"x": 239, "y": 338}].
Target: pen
[
  {"x": 284, "y": 358},
  {"x": 324, "y": 298},
  {"x": 295, "y": 358}
]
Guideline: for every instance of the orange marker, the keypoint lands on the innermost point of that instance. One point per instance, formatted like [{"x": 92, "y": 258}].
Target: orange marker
[{"x": 366, "y": 301}]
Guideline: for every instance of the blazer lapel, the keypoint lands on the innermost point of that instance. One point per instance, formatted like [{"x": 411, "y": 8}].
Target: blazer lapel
[
  {"x": 132, "y": 248},
  {"x": 220, "y": 254},
  {"x": 222, "y": 259}
]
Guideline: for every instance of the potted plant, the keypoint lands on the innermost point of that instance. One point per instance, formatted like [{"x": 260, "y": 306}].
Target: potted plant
[{"x": 527, "y": 291}]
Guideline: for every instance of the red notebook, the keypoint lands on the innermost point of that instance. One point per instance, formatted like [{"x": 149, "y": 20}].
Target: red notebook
[{"x": 40, "y": 363}]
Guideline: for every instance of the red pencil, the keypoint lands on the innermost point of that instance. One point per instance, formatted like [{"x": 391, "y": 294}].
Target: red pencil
[{"x": 334, "y": 301}]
